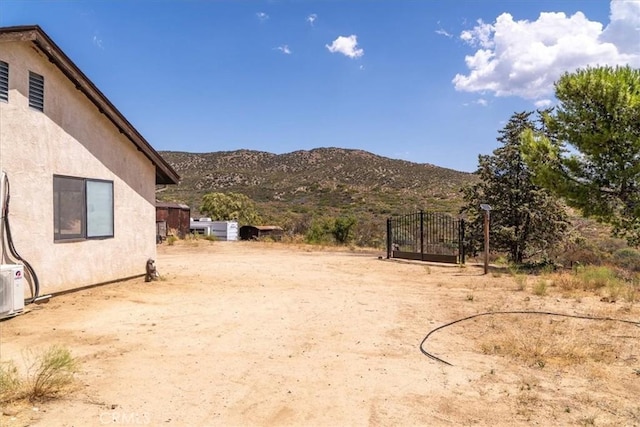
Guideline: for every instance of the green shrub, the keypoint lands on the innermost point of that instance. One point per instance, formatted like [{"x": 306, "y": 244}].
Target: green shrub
[
  {"x": 171, "y": 240},
  {"x": 627, "y": 258},
  {"x": 596, "y": 277},
  {"x": 319, "y": 232},
  {"x": 343, "y": 229}
]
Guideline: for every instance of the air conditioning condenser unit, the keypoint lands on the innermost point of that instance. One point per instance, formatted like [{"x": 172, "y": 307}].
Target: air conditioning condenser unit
[{"x": 11, "y": 290}]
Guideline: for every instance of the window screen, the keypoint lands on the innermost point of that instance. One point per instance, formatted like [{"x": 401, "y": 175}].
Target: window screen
[{"x": 82, "y": 208}]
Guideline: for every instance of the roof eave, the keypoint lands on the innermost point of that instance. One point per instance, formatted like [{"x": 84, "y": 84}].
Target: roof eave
[{"x": 165, "y": 174}]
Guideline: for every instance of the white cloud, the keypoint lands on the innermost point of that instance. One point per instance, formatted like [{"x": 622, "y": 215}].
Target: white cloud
[
  {"x": 480, "y": 35},
  {"x": 97, "y": 41},
  {"x": 480, "y": 101},
  {"x": 347, "y": 46},
  {"x": 524, "y": 58},
  {"x": 262, "y": 16},
  {"x": 284, "y": 49},
  {"x": 441, "y": 31},
  {"x": 624, "y": 28},
  {"x": 543, "y": 103},
  {"x": 312, "y": 18}
]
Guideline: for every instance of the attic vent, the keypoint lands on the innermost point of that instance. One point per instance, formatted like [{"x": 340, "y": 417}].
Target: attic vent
[
  {"x": 36, "y": 91},
  {"x": 4, "y": 81}
]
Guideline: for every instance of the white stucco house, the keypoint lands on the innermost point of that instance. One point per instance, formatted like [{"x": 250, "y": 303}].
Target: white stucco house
[{"x": 81, "y": 177}]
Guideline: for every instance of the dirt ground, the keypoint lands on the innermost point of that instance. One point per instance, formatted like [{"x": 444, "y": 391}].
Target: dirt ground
[{"x": 271, "y": 334}]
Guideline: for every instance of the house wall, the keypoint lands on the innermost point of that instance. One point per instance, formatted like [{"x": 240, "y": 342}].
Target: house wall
[{"x": 71, "y": 137}]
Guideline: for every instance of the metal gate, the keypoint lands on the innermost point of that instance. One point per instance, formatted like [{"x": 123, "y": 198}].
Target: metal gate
[{"x": 426, "y": 236}]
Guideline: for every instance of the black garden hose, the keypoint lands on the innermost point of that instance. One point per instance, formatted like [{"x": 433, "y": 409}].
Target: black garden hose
[
  {"x": 12, "y": 249},
  {"x": 489, "y": 313}
]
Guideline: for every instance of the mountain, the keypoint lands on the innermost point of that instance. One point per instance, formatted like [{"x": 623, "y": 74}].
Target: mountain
[
  {"x": 326, "y": 180},
  {"x": 292, "y": 189}
]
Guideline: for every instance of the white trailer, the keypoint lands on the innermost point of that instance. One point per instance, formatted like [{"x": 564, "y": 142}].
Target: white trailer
[{"x": 222, "y": 230}]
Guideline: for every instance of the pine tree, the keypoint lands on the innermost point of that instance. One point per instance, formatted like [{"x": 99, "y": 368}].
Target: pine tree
[
  {"x": 593, "y": 159},
  {"x": 525, "y": 219}
]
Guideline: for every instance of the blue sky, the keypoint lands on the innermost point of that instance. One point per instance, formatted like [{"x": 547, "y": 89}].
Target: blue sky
[{"x": 427, "y": 81}]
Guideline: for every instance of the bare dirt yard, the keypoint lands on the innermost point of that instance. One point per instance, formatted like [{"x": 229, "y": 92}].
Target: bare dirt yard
[{"x": 271, "y": 334}]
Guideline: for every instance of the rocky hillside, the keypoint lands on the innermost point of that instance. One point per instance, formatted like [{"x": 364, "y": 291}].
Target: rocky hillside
[{"x": 323, "y": 180}]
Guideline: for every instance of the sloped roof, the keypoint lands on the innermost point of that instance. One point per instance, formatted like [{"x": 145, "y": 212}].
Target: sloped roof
[
  {"x": 171, "y": 205},
  {"x": 264, "y": 227},
  {"x": 165, "y": 174}
]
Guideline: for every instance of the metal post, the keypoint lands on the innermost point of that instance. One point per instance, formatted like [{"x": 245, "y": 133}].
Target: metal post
[
  {"x": 461, "y": 241},
  {"x": 421, "y": 235},
  {"x": 389, "y": 238},
  {"x": 486, "y": 242}
]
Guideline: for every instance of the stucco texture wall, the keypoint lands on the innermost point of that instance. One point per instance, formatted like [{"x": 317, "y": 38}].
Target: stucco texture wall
[{"x": 71, "y": 137}]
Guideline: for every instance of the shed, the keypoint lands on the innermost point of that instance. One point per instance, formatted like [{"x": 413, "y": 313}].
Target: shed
[
  {"x": 251, "y": 232},
  {"x": 172, "y": 216}
]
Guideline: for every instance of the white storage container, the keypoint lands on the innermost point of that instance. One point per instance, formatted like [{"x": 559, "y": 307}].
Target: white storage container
[{"x": 222, "y": 230}]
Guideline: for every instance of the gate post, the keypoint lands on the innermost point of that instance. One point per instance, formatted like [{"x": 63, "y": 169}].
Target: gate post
[
  {"x": 421, "y": 235},
  {"x": 461, "y": 241},
  {"x": 389, "y": 238}
]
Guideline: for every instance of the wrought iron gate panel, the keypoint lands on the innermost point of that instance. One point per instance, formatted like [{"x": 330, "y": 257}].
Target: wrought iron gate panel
[{"x": 426, "y": 236}]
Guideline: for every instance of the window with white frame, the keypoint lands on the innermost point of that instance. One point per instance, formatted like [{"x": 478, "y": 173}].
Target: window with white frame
[
  {"x": 82, "y": 208},
  {"x": 4, "y": 81},
  {"x": 36, "y": 91}
]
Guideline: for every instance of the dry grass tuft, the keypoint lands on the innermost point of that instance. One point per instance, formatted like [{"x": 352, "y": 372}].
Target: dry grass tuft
[
  {"x": 521, "y": 281},
  {"x": 48, "y": 375},
  {"x": 540, "y": 342},
  {"x": 601, "y": 280},
  {"x": 10, "y": 383},
  {"x": 566, "y": 281},
  {"x": 540, "y": 287}
]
